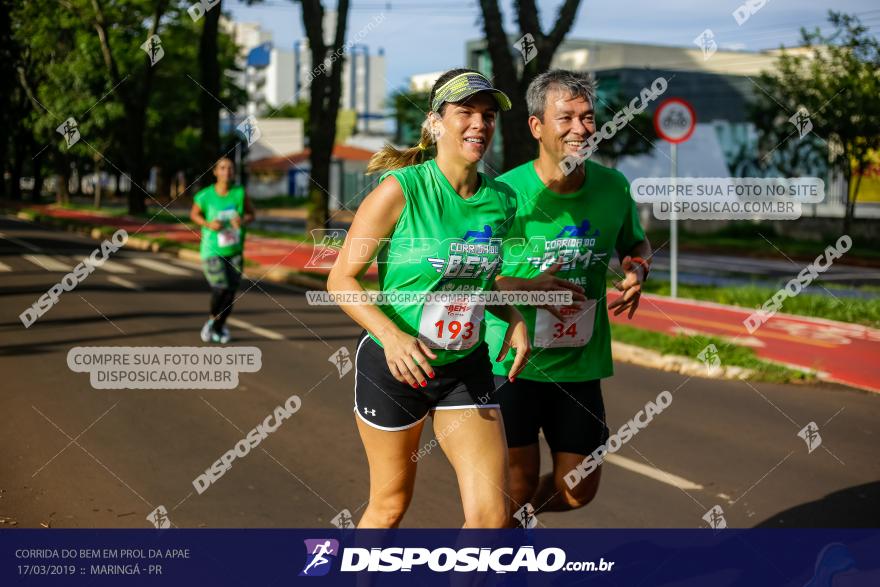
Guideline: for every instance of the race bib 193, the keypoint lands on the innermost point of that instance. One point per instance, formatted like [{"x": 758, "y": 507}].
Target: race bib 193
[
  {"x": 451, "y": 326},
  {"x": 576, "y": 330}
]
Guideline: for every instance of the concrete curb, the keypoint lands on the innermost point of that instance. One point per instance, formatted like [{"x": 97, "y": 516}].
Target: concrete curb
[{"x": 643, "y": 357}]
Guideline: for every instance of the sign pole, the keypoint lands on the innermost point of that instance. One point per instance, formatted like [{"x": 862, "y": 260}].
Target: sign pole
[
  {"x": 674, "y": 121},
  {"x": 673, "y": 225}
]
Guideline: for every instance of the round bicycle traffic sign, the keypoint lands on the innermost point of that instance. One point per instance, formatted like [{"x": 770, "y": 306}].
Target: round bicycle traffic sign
[{"x": 675, "y": 120}]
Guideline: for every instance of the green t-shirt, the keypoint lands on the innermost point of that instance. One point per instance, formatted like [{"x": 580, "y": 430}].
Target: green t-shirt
[
  {"x": 227, "y": 241},
  {"x": 443, "y": 243},
  {"x": 582, "y": 230}
]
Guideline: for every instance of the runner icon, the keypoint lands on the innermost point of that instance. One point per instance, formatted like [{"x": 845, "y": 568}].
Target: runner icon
[{"x": 320, "y": 550}]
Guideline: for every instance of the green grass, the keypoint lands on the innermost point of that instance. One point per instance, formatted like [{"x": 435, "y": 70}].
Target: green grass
[
  {"x": 852, "y": 310},
  {"x": 691, "y": 346},
  {"x": 751, "y": 239}
]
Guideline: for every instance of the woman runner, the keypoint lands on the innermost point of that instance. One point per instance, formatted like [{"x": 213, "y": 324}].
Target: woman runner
[
  {"x": 442, "y": 221},
  {"x": 222, "y": 210}
]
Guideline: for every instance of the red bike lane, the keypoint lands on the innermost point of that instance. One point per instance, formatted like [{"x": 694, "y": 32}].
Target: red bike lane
[{"x": 840, "y": 352}]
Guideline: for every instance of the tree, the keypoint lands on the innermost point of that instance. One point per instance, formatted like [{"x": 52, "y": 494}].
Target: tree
[
  {"x": 118, "y": 47},
  {"x": 517, "y": 143},
  {"x": 837, "y": 81},
  {"x": 632, "y": 139},
  {"x": 62, "y": 72},
  {"x": 297, "y": 110},
  {"x": 8, "y": 57},
  {"x": 324, "y": 94},
  {"x": 409, "y": 113},
  {"x": 209, "y": 77}
]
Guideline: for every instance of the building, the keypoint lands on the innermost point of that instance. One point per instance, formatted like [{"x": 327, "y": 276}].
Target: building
[
  {"x": 276, "y": 76},
  {"x": 423, "y": 82},
  {"x": 288, "y": 175}
]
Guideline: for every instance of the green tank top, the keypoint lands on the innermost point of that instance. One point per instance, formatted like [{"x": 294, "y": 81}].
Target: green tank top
[
  {"x": 228, "y": 241},
  {"x": 582, "y": 230},
  {"x": 443, "y": 243}
]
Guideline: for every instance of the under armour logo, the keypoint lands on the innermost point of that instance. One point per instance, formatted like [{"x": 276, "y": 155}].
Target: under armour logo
[{"x": 369, "y": 412}]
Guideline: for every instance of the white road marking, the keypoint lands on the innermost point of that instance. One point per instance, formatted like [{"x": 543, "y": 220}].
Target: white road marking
[
  {"x": 271, "y": 335},
  {"x": 48, "y": 263},
  {"x": 124, "y": 283},
  {"x": 740, "y": 340},
  {"x": 5, "y": 267},
  {"x": 187, "y": 264},
  {"x": 652, "y": 472},
  {"x": 21, "y": 243},
  {"x": 115, "y": 267},
  {"x": 166, "y": 268}
]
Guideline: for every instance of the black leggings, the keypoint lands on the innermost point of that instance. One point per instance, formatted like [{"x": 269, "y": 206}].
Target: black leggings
[
  {"x": 223, "y": 275},
  {"x": 221, "y": 306}
]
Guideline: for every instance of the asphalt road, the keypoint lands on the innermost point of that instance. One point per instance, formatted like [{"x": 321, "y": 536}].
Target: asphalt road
[{"x": 73, "y": 456}]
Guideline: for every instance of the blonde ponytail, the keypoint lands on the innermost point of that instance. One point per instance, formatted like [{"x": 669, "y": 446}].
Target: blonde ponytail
[{"x": 390, "y": 158}]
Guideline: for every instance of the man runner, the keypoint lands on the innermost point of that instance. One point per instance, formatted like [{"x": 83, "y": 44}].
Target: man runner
[{"x": 570, "y": 225}]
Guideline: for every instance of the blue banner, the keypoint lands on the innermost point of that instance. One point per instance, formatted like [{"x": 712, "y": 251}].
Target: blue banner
[{"x": 753, "y": 557}]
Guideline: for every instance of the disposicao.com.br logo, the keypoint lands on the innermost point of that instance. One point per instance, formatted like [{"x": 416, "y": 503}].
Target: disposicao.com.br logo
[{"x": 442, "y": 560}]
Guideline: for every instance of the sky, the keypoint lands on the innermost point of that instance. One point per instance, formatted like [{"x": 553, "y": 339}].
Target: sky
[{"x": 421, "y": 36}]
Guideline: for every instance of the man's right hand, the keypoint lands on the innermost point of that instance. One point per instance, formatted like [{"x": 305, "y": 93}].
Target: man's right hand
[
  {"x": 214, "y": 225},
  {"x": 546, "y": 281}
]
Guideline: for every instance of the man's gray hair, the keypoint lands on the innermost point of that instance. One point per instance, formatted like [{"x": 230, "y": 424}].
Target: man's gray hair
[{"x": 578, "y": 84}]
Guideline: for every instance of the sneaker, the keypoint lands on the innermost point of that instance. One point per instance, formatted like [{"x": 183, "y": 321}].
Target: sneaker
[
  {"x": 207, "y": 330},
  {"x": 221, "y": 338},
  {"x": 225, "y": 336}
]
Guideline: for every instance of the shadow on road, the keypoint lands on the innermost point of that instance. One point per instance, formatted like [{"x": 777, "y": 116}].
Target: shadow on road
[{"x": 854, "y": 507}]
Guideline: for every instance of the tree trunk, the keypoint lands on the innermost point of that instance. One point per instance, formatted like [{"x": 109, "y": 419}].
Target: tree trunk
[
  {"x": 37, "y": 164},
  {"x": 516, "y": 139},
  {"x": 15, "y": 172},
  {"x": 851, "y": 202},
  {"x": 163, "y": 185},
  {"x": 98, "y": 188},
  {"x": 134, "y": 101},
  {"x": 847, "y": 214},
  {"x": 209, "y": 109},
  {"x": 325, "y": 91},
  {"x": 62, "y": 180}
]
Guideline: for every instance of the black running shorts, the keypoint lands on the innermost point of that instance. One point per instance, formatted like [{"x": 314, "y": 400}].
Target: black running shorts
[
  {"x": 385, "y": 403},
  {"x": 571, "y": 414}
]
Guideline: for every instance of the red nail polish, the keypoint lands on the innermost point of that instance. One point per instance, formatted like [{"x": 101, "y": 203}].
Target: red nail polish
[{"x": 423, "y": 383}]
